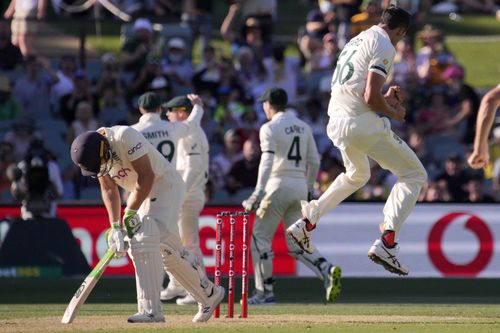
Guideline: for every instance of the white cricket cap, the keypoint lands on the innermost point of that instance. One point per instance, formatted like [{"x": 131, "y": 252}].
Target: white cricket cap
[
  {"x": 176, "y": 43},
  {"x": 143, "y": 23}
]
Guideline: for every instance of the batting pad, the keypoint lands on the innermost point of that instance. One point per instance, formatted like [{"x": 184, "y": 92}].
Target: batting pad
[
  {"x": 263, "y": 267},
  {"x": 149, "y": 281},
  {"x": 188, "y": 274}
]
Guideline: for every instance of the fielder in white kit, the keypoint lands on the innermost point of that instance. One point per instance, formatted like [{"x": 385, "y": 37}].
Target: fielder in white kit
[
  {"x": 183, "y": 143},
  {"x": 121, "y": 156},
  {"x": 359, "y": 133},
  {"x": 192, "y": 164},
  {"x": 288, "y": 167}
]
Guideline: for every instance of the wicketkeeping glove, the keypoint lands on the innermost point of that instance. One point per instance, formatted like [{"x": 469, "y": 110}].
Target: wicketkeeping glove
[
  {"x": 252, "y": 203},
  {"x": 114, "y": 236},
  {"x": 131, "y": 221}
]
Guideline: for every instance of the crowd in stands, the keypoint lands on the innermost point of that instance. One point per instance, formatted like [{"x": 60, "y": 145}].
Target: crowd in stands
[{"x": 53, "y": 103}]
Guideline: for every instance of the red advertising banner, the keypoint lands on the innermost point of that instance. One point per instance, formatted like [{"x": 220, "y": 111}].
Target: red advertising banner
[{"x": 89, "y": 224}]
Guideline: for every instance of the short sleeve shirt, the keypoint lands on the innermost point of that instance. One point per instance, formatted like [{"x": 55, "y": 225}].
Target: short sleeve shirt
[{"x": 370, "y": 51}]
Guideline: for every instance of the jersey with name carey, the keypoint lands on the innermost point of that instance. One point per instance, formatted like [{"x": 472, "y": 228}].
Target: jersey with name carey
[{"x": 291, "y": 141}]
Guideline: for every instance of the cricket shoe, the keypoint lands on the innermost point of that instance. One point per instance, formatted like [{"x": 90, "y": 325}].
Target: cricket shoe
[
  {"x": 332, "y": 283},
  {"x": 302, "y": 237},
  {"x": 146, "y": 318},
  {"x": 206, "y": 311},
  {"x": 382, "y": 255},
  {"x": 172, "y": 292},
  {"x": 260, "y": 298},
  {"x": 188, "y": 300}
]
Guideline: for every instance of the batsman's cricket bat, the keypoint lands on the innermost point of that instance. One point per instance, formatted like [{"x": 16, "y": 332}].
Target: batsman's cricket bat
[{"x": 86, "y": 287}]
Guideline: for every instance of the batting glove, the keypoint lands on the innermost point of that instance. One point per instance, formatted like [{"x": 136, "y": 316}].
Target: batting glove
[
  {"x": 252, "y": 203},
  {"x": 131, "y": 221},
  {"x": 114, "y": 237}
]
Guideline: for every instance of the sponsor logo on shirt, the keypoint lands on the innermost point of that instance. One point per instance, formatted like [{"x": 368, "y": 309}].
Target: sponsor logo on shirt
[
  {"x": 135, "y": 148},
  {"x": 122, "y": 173}
]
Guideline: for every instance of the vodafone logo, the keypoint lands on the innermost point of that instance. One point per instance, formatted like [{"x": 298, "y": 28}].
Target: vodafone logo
[{"x": 473, "y": 224}]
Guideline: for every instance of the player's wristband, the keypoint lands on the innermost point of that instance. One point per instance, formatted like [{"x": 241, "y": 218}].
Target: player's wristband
[{"x": 116, "y": 225}]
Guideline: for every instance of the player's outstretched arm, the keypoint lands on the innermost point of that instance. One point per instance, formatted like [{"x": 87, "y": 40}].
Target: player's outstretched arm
[{"x": 489, "y": 104}]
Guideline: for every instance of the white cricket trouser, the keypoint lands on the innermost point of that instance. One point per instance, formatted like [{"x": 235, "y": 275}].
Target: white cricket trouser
[
  {"x": 189, "y": 229},
  {"x": 281, "y": 202},
  {"x": 157, "y": 244},
  {"x": 189, "y": 223},
  {"x": 371, "y": 136}
]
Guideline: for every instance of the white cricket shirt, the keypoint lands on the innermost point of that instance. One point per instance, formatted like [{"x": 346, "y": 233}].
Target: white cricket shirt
[
  {"x": 371, "y": 50},
  {"x": 292, "y": 144}
]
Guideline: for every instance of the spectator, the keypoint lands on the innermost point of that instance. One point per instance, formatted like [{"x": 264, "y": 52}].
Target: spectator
[
  {"x": 464, "y": 100},
  {"x": 250, "y": 73},
  {"x": 249, "y": 125},
  {"x": 198, "y": 16},
  {"x": 310, "y": 37},
  {"x": 10, "y": 55},
  {"x": 433, "y": 57},
  {"x": 344, "y": 11},
  {"x": 33, "y": 87},
  {"x": 24, "y": 15},
  {"x": 177, "y": 66},
  {"x": 229, "y": 109},
  {"x": 478, "y": 6},
  {"x": 330, "y": 168},
  {"x": 84, "y": 121},
  {"x": 109, "y": 76},
  {"x": 207, "y": 75},
  {"x": 222, "y": 163},
  {"x": 64, "y": 85},
  {"x": 283, "y": 71},
  {"x": 325, "y": 58},
  {"x": 136, "y": 50},
  {"x": 161, "y": 88},
  {"x": 435, "y": 191},
  {"x": 475, "y": 190},
  {"x": 7, "y": 158},
  {"x": 369, "y": 16},
  {"x": 404, "y": 64},
  {"x": 261, "y": 14},
  {"x": 243, "y": 173},
  {"x": 21, "y": 136},
  {"x": 113, "y": 108},
  {"x": 81, "y": 92},
  {"x": 9, "y": 108},
  {"x": 433, "y": 119},
  {"x": 143, "y": 78},
  {"x": 374, "y": 190},
  {"x": 417, "y": 142},
  {"x": 323, "y": 62},
  {"x": 455, "y": 178},
  {"x": 228, "y": 77},
  {"x": 315, "y": 116}
]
